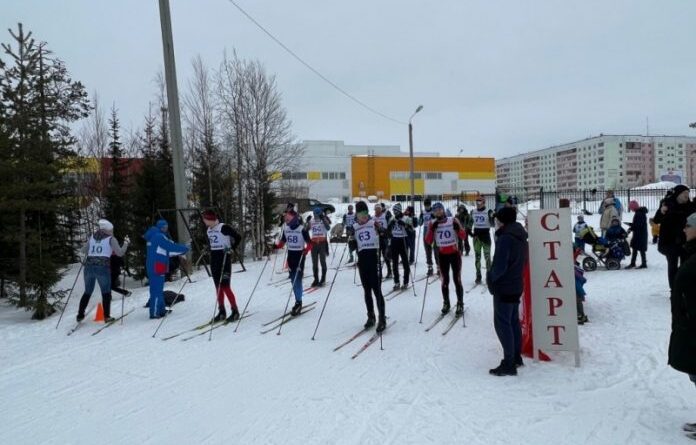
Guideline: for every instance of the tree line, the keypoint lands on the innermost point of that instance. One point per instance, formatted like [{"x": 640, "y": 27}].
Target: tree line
[{"x": 54, "y": 136}]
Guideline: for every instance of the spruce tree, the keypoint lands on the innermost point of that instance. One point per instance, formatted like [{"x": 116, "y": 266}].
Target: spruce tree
[
  {"x": 39, "y": 101},
  {"x": 117, "y": 208}
]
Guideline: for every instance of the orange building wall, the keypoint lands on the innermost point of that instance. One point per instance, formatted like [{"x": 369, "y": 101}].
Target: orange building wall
[{"x": 373, "y": 173}]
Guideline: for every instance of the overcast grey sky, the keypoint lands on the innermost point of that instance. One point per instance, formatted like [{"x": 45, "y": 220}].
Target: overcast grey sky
[{"x": 495, "y": 77}]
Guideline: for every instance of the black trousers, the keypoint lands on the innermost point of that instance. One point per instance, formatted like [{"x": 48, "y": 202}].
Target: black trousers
[
  {"x": 384, "y": 249},
  {"x": 221, "y": 274},
  {"x": 673, "y": 262},
  {"x": 453, "y": 261},
  {"x": 368, "y": 266},
  {"x": 399, "y": 250},
  {"x": 634, "y": 256}
]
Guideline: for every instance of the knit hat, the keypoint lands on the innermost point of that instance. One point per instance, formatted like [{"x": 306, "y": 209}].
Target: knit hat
[
  {"x": 427, "y": 202},
  {"x": 290, "y": 206},
  {"x": 360, "y": 206},
  {"x": 397, "y": 208},
  {"x": 481, "y": 199},
  {"x": 438, "y": 205},
  {"x": 105, "y": 225},
  {"x": 679, "y": 189},
  {"x": 316, "y": 210},
  {"x": 209, "y": 215},
  {"x": 161, "y": 224},
  {"x": 581, "y": 218},
  {"x": 506, "y": 215},
  {"x": 691, "y": 220}
]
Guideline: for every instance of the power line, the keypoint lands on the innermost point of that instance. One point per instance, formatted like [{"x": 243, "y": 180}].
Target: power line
[{"x": 311, "y": 68}]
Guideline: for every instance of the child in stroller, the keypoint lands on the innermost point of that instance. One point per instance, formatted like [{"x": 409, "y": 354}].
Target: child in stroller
[{"x": 609, "y": 251}]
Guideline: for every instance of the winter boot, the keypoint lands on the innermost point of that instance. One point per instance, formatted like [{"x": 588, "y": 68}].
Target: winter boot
[
  {"x": 504, "y": 369},
  {"x": 396, "y": 286},
  {"x": 381, "y": 324},
  {"x": 689, "y": 427},
  {"x": 631, "y": 266},
  {"x": 445, "y": 306},
  {"x": 323, "y": 279},
  {"x": 221, "y": 315},
  {"x": 478, "y": 278},
  {"x": 518, "y": 361},
  {"x": 582, "y": 319},
  {"x": 460, "y": 309},
  {"x": 370, "y": 320},
  {"x": 430, "y": 271},
  {"x": 643, "y": 266},
  {"x": 296, "y": 309},
  {"x": 234, "y": 316}
]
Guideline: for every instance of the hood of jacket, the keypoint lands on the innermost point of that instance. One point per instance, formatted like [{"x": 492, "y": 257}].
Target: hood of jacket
[
  {"x": 151, "y": 232},
  {"x": 514, "y": 230}
]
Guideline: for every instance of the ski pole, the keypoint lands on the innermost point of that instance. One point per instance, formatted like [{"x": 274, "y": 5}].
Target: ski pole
[
  {"x": 298, "y": 271},
  {"x": 70, "y": 293},
  {"x": 176, "y": 300},
  {"x": 252, "y": 293},
  {"x": 427, "y": 282},
  {"x": 355, "y": 274},
  {"x": 326, "y": 300},
  {"x": 275, "y": 260},
  {"x": 413, "y": 275},
  {"x": 217, "y": 293}
]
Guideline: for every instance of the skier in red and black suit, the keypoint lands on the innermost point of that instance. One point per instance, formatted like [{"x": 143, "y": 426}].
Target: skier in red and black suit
[
  {"x": 299, "y": 245},
  {"x": 445, "y": 232},
  {"x": 222, "y": 239},
  {"x": 366, "y": 231}
]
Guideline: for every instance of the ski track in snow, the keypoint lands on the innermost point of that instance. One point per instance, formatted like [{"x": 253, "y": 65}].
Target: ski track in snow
[{"x": 123, "y": 386}]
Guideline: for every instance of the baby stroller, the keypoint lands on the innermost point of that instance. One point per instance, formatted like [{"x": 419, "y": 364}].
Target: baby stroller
[{"x": 608, "y": 253}]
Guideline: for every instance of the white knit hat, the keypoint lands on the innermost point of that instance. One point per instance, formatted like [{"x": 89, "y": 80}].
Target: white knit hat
[{"x": 105, "y": 225}]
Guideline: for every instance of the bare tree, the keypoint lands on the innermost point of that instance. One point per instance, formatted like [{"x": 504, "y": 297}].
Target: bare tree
[{"x": 253, "y": 115}]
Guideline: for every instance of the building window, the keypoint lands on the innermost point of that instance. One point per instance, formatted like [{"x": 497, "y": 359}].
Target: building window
[{"x": 324, "y": 175}]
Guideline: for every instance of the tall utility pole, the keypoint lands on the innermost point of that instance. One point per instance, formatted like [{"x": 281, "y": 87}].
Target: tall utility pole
[
  {"x": 410, "y": 155},
  {"x": 174, "y": 119}
]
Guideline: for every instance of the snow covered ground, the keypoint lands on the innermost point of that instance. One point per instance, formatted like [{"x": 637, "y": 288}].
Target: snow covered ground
[{"x": 123, "y": 386}]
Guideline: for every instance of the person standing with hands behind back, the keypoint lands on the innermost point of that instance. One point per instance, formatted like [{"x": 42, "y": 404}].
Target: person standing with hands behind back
[{"x": 671, "y": 216}]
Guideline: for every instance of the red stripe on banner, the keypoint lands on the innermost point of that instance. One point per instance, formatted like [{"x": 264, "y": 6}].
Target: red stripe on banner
[{"x": 526, "y": 320}]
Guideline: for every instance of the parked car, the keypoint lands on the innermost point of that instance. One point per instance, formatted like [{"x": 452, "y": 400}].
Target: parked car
[{"x": 304, "y": 205}]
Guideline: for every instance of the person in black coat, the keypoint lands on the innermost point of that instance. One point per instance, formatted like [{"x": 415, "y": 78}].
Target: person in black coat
[
  {"x": 639, "y": 242},
  {"x": 682, "y": 341},
  {"x": 671, "y": 216},
  {"x": 504, "y": 281}
]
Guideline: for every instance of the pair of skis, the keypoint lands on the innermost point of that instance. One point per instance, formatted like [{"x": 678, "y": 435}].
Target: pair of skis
[
  {"x": 214, "y": 324},
  {"x": 285, "y": 318},
  {"x": 449, "y": 326},
  {"x": 367, "y": 344},
  {"x": 106, "y": 325}
]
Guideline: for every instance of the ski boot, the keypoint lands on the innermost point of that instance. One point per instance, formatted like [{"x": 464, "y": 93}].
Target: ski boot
[
  {"x": 397, "y": 286},
  {"x": 351, "y": 259},
  {"x": 381, "y": 324},
  {"x": 460, "y": 309},
  {"x": 504, "y": 369},
  {"x": 221, "y": 315},
  {"x": 315, "y": 283},
  {"x": 234, "y": 316},
  {"x": 296, "y": 309},
  {"x": 518, "y": 361},
  {"x": 478, "y": 278},
  {"x": 109, "y": 319},
  {"x": 689, "y": 427},
  {"x": 370, "y": 320},
  {"x": 405, "y": 285},
  {"x": 80, "y": 317},
  {"x": 429, "y": 273},
  {"x": 322, "y": 282},
  {"x": 445, "y": 306}
]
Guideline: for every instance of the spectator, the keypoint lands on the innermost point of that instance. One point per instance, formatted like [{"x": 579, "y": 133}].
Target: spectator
[
  {"x": 639, "y": 241},
  {"x": 682, "y": 343},
  {"x": 654, "y": 230},
  {"x": 671, "y": 216},
  {"x": 609, "y": 213},
  {"x": 504, "y": 281},
  {"x": 577, "y": 232}
]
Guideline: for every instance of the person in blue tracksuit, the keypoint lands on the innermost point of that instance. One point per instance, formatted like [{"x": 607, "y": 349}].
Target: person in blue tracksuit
[{"x": 159, "y": 249}]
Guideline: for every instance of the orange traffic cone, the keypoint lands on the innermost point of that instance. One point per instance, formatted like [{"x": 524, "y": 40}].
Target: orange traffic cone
[{"x": 99, "y": 316}]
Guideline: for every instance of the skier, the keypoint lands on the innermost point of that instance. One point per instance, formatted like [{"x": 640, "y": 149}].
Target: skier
[
  {"x": 482, "y": 236},
  {"x": 465, "y": 220},
  {"x": 348, "y": 221},
  {"x": 97, "y": 253},
  {"x": 398, "y": 229},
  {"x": 366, "y": 232},
  {"x": 222, "y": 239},
  {"x": 299, "y": 245},
  {"x": 424, "y": 219},
  {"x": 444, "y": 231},
  {"x": 382, "y": 219},
  {"x": 159, "y": 248},
  {"x": 319, "y": 228}
]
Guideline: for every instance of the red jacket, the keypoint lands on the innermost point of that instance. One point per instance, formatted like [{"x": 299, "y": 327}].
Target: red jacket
[{"x": 459, "y": 230}]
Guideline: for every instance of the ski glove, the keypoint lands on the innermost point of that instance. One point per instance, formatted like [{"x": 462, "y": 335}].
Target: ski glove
[{"x": 126, "y": 239}]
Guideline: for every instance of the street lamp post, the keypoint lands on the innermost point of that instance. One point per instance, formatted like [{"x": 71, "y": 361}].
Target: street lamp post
[{"x": 410, "y": 154}]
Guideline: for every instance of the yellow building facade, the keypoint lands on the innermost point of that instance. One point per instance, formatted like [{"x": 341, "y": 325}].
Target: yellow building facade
[{"x": 388, "y": 177}]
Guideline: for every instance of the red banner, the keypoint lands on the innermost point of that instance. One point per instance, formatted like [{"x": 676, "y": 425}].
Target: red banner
[{"x": 526, "y": 319}]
